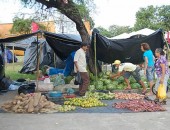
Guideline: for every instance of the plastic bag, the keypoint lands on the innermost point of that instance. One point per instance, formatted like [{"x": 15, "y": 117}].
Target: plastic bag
[
  {"x": 5, "y": 83},
  {"x": 78, "y": 79},
  {"x": 27, "y": 88},
  {"x": 161, "y": 92},
  {"x": 59, "y": 80}
]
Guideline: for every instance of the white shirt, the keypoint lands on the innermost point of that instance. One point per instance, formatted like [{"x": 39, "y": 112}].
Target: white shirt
[
  {"x": 127, "y": 67},
  {"x": 80, "y": 57}
]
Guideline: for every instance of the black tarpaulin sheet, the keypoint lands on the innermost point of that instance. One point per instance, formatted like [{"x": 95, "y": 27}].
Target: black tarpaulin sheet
[
  {"x": 63, "y": 44},
  {"x": 17, "y": 38},
  {"x": 126, "y": 50}
]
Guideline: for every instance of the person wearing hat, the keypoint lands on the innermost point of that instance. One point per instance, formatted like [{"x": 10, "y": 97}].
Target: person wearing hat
[
  {"x": 128, "y": 69},
  {"x": 80, "y": 66}
]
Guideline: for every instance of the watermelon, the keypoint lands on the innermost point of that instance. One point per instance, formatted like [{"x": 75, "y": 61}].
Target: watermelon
[
  {"x": 110, "y": 87},
  {"x": 115, "y": 83},
  {"x": 107, "y": 81},
  {"x": 108, "y": 73},
  {"x": 135, "y": 86},
  {"x": 99, "y": 87},
  {"x": 132, "y": 80},
  {"x": 68, "y": 79},
  {"x": 91, "y": 88},
  {"x": 99, "y": 82},
  {"x": 120, "y": 86},
  {"x": 100, "y": 74},
  {"x": 120, "y": 79}
]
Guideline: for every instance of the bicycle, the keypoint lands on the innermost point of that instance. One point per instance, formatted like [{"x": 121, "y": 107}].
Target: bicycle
[{"x": 154, "y": 90}]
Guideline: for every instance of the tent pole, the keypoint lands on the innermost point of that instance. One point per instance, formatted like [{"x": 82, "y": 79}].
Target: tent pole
[
  {"x": 54, "y": 60},
  {"x": 5, "y": 64},
  {"x": 37, "y": 65},
  {"x": 13, "y": 56},
  {"x": 95, "y": 60}
]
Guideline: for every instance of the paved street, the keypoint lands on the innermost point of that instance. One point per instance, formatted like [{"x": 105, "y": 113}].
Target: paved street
[{"x": 85, "y": 121}]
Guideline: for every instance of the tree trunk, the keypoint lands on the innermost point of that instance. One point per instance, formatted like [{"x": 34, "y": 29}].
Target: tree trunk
[{"x": 70, "y": 10}]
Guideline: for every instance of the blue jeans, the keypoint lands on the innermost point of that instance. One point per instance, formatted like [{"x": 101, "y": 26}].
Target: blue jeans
[{"x": 150, "y": 74}]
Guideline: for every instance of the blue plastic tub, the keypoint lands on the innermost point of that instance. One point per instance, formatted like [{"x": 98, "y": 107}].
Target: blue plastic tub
[{"x": 55, "y": 94}]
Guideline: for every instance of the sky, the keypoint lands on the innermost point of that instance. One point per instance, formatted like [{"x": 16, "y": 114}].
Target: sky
[
  {"x": 108, "y": 12},
  {"x": 121, "y": 12}
]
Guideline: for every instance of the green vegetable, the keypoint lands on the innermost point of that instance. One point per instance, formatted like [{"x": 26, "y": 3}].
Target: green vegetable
[
  {"x": 111, "y": 87},
  {"x": 120, "y": 79},
  {"x": 107, "y": 81},
  {"x": 132, "y": 80},
  {"x": 99, "y": 87},
  {"x": 108, "y": 73},
  {"x": 135, "y": 86},
  {"x": 68, "y": 79},
  {"x": 120, "y": 86},
  {"x": 91, "y": 88}
]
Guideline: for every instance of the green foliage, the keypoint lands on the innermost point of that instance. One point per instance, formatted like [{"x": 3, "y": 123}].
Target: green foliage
[
  {"x": 85, "y": 7},
  {"x": 104, "y": 32},
  {"x": 42, "y": 27},
  {"x": 117, "y": 30},
  {"x": 22, "y": 26},
  {"x": 12, "y": 71},
  {"x": 153, "y": 18},
  {"x": 164, "y": 17},
  {"x": 114, "y": 30}
]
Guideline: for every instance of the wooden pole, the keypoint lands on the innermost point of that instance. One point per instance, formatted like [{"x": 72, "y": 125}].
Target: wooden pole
[
  {"x": 4, "y": 55},
  {"x": 13, "y": 57},
  {"x": 95, "y": 60},
  {"x": 54, "y": 60},
  {"x": 38, "y": 62}
]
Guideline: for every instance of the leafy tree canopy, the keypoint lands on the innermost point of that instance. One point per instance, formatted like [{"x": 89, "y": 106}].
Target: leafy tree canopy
[
  {"x": 23, "y": 26},
  {"x": 85, "y": 8},
  {"x": 114, "y": 30},
  {"x": 153, "y": 18},
  {"x": 104, "y": 32}
]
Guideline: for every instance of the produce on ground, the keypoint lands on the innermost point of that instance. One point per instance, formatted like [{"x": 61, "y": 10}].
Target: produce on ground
[
  {"x": 100, "y": 95},
  {"x": 105, "y": 83},
  {"x": 84, "y": 102},
  {"x": 30, "y": 103},
  {"x": 66, "y": 108},
  {"x": 139, "y": 106},
  {"x": 128, "y": 96},
  {"x": 68, "y": 79}
]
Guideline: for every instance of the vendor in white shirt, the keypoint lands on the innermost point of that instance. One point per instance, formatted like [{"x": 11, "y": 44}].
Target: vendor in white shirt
[
  {"x": 126, "y": 70},
  {"x": 80, "y": 66}
]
